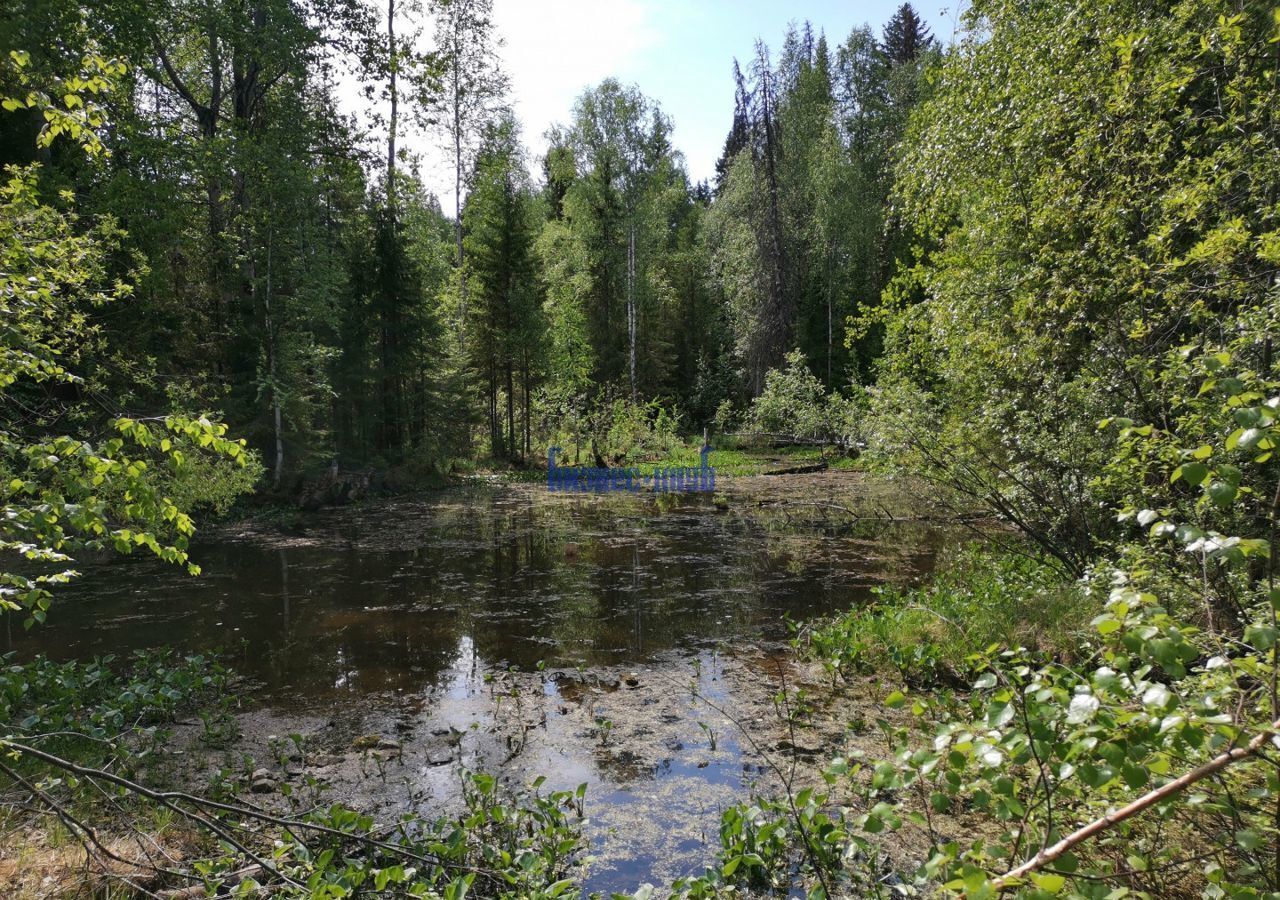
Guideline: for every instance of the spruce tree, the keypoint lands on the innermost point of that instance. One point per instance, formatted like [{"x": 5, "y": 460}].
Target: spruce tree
[
  {"x": 740, "y": 132},
  {"x": 906, "y": 36}
]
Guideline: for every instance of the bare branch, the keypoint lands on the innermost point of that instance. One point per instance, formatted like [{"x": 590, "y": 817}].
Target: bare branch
[{"x": 1012, "y": 879}]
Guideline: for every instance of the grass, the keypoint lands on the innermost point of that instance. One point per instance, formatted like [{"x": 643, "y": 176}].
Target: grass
[
  {"x": 745, "y": 462},
  {"x": 725, "y": 462},
  {"x": 731, "y": 462},
  {"x": 981, "y": 598},
  {"x": 45, "y": 860}
]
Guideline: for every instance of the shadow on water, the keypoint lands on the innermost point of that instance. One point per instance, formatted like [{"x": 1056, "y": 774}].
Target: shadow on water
[{"x": 430, "y": 597}]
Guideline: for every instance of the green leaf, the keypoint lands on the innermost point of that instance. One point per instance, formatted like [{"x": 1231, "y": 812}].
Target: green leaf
[
  {"x": 1135, "y": 776},
  {"x": 1049, "y": 882},
  {"x": 1223, "y": 493},
  {"x": 1107, "y": 624},
  {"x": 1193, "y": 473},
  {"x": 1261, "y": 637},
  {"x": 1248, "y": 839}
]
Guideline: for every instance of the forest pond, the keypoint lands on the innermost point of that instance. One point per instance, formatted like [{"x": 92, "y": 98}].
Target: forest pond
[{"x": 497, "y": 626}]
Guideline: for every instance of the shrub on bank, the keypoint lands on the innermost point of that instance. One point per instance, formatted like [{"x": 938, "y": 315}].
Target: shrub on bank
[
  {"x": 794, "y": 403},
  {"x": 981, "y": 597}
]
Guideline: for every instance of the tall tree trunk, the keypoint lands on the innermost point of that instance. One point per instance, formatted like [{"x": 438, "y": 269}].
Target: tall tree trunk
[
  {"x": 207, "y": 120},
  {"x": 393, "y": 65},
  {"x": 457, "y": 173},
  {"x": 776, "y": 321},
  {"x": 511, "y": 409},
  {"x": 631, "y": 304},
  {"x": 277, "y": 414},
  {"x": 830, "y": 287},
  {"x": 457, "y": 198},
  {"x": 780, "y": 319},
  {"x": 528, "y": 446},
  {"x": 495, "y": 438},
  {"x": 273, "y": 368}
]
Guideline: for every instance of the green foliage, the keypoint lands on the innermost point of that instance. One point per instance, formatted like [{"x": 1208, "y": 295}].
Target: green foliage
[
  {"x": 63, "y": 494},
  {"x": 620, "y": 433},
  {"x": 505, "y": 316},
  {"x": 795, "y": 403},
  {"x": 1078, "y": 180},
  {"x": 398, "y": 376},
  {"x": 1083, "y": 224},
  {"x": 511, "y": 846},
  {"x": 635, "y": 433},
  {"x": 103, "y": 699},
  {"x": 274, "y": 290},
  {"x": 108, "y": 712},
  {"x": 1178, "y": 667},
  {"x": 331, "y": 311},
  {"x": 1041, "y": 749},
  {"x": 800, "y": 238},
  {"x": 980, "y": 598},
  {"x": 774, "y": 847},
  {"x": 567, "y": 283},
  {"x": 906, "y": 36},
  {"x": 622, "y": 262},
  {"x": 70, "y": 105},
  {"x": 205, "y": 483},
  {"x": 1219, "y": 446}
]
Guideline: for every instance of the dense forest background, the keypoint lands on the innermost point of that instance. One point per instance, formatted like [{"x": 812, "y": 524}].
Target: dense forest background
[
  {"x": 958, "y": 261},
  {"x": 288, "y": 271}
]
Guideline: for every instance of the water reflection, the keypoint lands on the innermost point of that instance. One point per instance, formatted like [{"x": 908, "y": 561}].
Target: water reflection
[{"x": 382, "y": 600}]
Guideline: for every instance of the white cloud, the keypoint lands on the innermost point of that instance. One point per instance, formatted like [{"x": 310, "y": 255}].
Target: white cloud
[
  {"x": 556, "y": 48},
  {"x": 679, "y": 52},
  {"x": 552, "y": 50}
]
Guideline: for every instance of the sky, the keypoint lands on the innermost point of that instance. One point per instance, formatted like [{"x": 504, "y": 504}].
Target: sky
[{"x": 678, "y": 52}]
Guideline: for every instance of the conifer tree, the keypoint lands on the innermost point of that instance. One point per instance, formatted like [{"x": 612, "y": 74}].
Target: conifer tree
[
  {"x": 906, "y": 36},
  {"x": 506, "y": 315}
]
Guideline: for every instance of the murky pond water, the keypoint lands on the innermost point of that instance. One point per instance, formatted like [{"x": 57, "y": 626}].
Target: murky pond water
[{"x": 619, "y": 608}]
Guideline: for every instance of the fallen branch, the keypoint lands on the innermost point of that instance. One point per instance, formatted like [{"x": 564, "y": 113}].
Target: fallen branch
[
  {"x": 807, "y": 469},
  {"x": 197, "y": 891},
  {"x": 206, "y": 819},
  {"x": 1012, "y": 878},
  {"x": 797, "y": 440}
]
